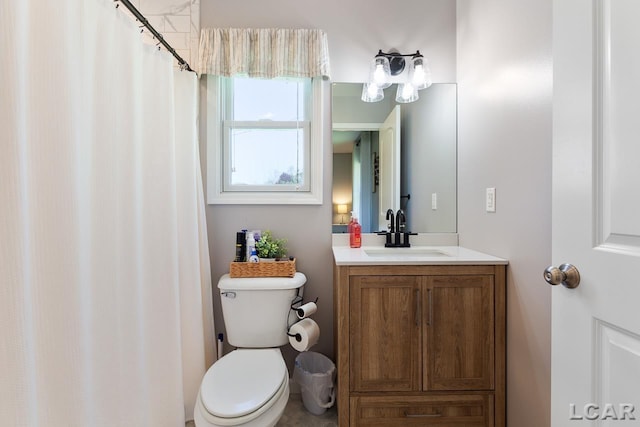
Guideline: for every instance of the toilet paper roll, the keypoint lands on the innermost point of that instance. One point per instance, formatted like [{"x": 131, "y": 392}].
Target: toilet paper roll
[
  {"x": 305, "y": 334},
  {"x": 306, "y": 310}
]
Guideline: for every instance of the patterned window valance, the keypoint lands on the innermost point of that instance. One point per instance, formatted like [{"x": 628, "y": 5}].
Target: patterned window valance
[{"x": 266, "y": 53}]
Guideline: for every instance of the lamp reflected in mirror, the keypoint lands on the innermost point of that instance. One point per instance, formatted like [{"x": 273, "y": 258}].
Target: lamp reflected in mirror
[
  {"x": 406, "y": 93},
  {"x": 342, "y": 209},
  {"x": 371, "y": 92}
]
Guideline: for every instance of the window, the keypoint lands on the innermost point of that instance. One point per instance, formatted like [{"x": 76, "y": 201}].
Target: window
[
  {"x": 266, "y": 134},
  {"x": 264, "y": 141}
]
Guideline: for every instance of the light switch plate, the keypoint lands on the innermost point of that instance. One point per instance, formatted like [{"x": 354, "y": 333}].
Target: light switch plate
[
  {"x": 491, "y": 200},
  {"x": 434, "y": 201}
]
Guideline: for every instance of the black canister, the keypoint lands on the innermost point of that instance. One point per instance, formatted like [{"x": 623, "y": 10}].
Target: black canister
[{"x": 241, "y": 245}]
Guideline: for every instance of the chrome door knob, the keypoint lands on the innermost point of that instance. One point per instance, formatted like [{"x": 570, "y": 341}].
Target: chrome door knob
[{"x": 567, "y": 275}]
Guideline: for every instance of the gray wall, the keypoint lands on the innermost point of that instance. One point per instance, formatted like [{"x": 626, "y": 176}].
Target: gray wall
[
  {"x": 355, "y": 31},
  {"x": 429, "y": 133},
  {"x": 347, "y": 107},
  {"x": 504, "y": 87},
  {"x": 307, "y": 229}
]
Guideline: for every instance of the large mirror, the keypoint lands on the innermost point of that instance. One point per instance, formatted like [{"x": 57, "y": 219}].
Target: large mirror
[{"x": 388, "y": 155}]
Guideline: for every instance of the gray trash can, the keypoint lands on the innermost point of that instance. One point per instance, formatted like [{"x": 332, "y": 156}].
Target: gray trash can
[{"x": 315, "y": 373}]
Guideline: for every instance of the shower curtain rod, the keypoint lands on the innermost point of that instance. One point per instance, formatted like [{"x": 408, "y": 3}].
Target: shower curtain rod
[{"x": 140, "y": 17}]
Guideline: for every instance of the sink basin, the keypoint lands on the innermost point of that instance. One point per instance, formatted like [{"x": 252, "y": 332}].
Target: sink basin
[{"x": 406, "y": 252}]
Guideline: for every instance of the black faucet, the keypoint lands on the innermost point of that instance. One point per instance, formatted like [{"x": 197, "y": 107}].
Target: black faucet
[
  {"x": 390, "y": 216},
  {"x": 391, "y": 229},
  {"x": 401, "y": 225},
  {"x": 396, "y": 228},
  {"x": 401, "y": 220}
]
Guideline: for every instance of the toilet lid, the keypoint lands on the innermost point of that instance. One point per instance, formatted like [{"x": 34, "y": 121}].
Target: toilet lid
[{"x": 242, "y": 381}]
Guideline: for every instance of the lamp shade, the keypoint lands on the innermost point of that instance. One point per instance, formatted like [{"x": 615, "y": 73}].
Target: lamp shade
[
  {"x": 419, "y": 72},
  {"x": 371, "y": 92},
  {"x": 380, "y": 73},
  {"x": 406, "y": 93},
  {"x": 342, "y": 209}
]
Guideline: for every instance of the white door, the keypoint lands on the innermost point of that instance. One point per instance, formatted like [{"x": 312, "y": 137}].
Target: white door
[
  {"x": 596, "y": 212},
  {"x": 389, "y": 159}
]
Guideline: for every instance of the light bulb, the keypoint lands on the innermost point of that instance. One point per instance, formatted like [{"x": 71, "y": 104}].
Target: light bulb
[
  {"x": 407, "y": 90},
  {"x": 371, "y": 92},
  {"x": 378, "y": 75},
  {"x": 406, "y": 93},
  {"x": 420, "y": 74},
  {"x": 379, "y": 72}
]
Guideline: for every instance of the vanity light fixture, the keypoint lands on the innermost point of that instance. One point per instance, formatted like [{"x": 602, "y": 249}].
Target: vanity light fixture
[{"x": 385, "y": 66}]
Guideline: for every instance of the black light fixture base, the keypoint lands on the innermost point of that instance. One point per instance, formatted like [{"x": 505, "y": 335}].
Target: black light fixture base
[
  {"x": 397, "y": 62},
  {"x": 396, "y": 65}
]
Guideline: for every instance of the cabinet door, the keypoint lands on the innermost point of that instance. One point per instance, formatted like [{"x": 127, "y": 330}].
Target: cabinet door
[
  {"x": 385, "y": 333},
  {"x": 458, "y": 333}
]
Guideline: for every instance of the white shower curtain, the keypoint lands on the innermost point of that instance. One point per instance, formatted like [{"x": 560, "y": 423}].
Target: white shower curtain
[{"x": 105, "y": 288}]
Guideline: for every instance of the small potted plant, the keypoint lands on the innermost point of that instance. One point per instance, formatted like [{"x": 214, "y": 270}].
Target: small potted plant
[{"x": 269, "y": 248}]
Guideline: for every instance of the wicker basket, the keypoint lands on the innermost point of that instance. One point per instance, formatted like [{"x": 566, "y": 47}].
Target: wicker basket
[{"x": 263, "y": 269}]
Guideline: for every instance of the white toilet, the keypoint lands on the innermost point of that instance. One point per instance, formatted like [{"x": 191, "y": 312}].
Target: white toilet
[{"x": 249, "y": 386}]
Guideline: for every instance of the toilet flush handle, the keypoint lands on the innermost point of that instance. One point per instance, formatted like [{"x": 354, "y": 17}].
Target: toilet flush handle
[{"x": 228, "y": 294}]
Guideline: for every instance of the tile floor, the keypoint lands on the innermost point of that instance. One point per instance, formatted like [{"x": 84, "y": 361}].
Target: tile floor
[{"x": 295, "y": 415}]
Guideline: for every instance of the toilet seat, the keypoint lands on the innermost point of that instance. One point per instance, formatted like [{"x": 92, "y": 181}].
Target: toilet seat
[{"x": 242, "y": 385}]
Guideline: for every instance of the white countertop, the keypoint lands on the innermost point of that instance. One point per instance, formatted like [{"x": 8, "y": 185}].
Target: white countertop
[{"x": 416, "y": 255}]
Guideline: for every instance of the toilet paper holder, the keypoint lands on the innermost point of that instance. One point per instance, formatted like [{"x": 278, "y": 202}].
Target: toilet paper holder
[
  {"x": 304, "y": 310},
  {"x": 295, "y": 306},
  {"x": 298, "y": 301},
  {"x": 298, "y": 337}
]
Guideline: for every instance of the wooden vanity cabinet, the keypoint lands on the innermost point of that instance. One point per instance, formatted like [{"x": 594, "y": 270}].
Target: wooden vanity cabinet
[{"x": 420, "y": 345}]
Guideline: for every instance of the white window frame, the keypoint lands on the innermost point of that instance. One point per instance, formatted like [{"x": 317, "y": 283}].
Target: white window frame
[{"x": 216, "y": 193}]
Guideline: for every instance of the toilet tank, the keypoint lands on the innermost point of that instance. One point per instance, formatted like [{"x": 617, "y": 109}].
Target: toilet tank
[{"x": 257, "y": 310}]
